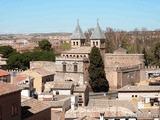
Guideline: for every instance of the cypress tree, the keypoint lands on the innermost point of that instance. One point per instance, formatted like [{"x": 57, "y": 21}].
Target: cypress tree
[{"x": 96, "y": 71}]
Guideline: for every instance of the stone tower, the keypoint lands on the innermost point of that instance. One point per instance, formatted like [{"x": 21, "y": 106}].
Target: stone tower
[
  {"x": 77, "y": 38},
  {"x": 98, "y": 39}
]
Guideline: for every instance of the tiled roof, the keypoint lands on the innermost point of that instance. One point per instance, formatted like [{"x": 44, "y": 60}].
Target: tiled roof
[
  {"x": 111, "y": 103},
  {"x": 6, "y": 88},
  {"x": 58, "y": 101},
  {"x": 80, "y": 88},
  {"x": 148, "y": 113},
  {"x": 57, "y": 115},
  {"x": 94, "y": 112},
  {"x": 78, "y": 34},
  {"x": 141, "y": 88},
  {"x": 80, "y": 50},
  {"x": 97, "y": 33},
  {"x": 32, "y": 106},
  {"x": 40, "y": 71},
  {"x": 21, "y": 78},
  {"x": 62, "y": 86},
  {"x": 4, "y": 73}
]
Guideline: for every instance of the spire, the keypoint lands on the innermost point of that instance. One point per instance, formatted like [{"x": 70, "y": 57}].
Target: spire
[
  {"x": 97, "y": 33},
  {"x": 78, "y": 34}
]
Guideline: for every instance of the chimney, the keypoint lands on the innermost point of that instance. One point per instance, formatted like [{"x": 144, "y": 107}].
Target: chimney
[{"x": 102, "y": 115}]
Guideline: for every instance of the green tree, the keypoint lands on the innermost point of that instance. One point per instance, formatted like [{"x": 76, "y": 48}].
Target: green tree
[
  {"x": 14, "y": 61},
  {"x": 45, "y": 45},
  {"x": 66, "y": 46},
  {"x": 96, "y": 71},
  {"x": 6, "y": 51},
  {"x": 145, "y": 56}
]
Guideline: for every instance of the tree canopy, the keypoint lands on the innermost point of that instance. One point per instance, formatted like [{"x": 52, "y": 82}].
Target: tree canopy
[
  {"x": 21, "y": 60},
  {"x": 6, "y": 51},
  {"x": 66, "y": 46},
  {"x": 96, "y": 71},
  {"x": 45, "y": 45}
]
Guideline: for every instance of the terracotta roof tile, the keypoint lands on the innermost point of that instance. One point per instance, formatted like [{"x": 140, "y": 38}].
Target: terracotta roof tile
[
  {"x": 7, "y": 88},
  {"x": 4, "y": 73},
  {"x": 32, "y": 106}
]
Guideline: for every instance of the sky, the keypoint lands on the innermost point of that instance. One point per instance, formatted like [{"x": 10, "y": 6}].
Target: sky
[{"x": 48, "y": 16}]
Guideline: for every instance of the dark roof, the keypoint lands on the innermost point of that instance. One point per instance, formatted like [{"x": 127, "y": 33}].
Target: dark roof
[
  {"x": 78, "y": 34},
  {"x": 97, "y": 33}
]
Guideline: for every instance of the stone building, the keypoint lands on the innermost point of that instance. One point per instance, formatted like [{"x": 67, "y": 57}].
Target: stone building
[
  {"x": 121, "y": 68},
  {"x": 73, "y": 64}
]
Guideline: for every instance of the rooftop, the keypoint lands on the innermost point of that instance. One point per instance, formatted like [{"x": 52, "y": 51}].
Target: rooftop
[
  {"x": 3, "y": 73},
  {"x": 80, "y": 88},
  {"x": 78, "y": 34},
  {"x": 80, "y": 50},
  {"x": 62, "y": 86},
  {"x": 141, "y": 88},
  {"x": 97, "y": 33},
  {"x": 39, "y": 71},
  {"x": 32, "y": 106},
  {"x": 7, "y": 88},
  {"x": 112, "y": 103}
]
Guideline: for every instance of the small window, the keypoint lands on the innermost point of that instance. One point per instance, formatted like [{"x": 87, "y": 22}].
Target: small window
[
  {"x": 64, "y": 68},
  {"x": 75, "y": 68},
  {"x": 14, "y": 109},
  {"x": 80, "y": 104},
  {"x": 57, "y": 92},
  {"x": 93, "y": 43},
  {"x": 77, "y": 43},
  {"x": 96, "y": 43},
  {"x": 73, "y": 43},
  {"x": 135, "y": 95},
  {"x": 132, "y": 95}
]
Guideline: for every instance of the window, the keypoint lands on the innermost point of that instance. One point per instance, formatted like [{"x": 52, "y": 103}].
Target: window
[
  {"x": 77, "y": 43},
  {"x": 96, "y": 43},
  {"x": 64, "y": 68},
  {"x": 57, "y": 92},
  {"x": 73, "y": 43},
  {"x": 135, "y": 95},
  {"x": 75, "y": 68},
  {"x": 132, "y": 95},
  {"x": 14, "y": 109}
]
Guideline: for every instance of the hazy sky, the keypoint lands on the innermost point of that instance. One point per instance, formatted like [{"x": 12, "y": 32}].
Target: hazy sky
[{"x": 36, "y": 16}]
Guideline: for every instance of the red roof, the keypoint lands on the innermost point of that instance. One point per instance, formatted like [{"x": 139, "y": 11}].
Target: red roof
[
  {"x": 21, "y": 78},
  {"x": 4, "y": 73}
]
